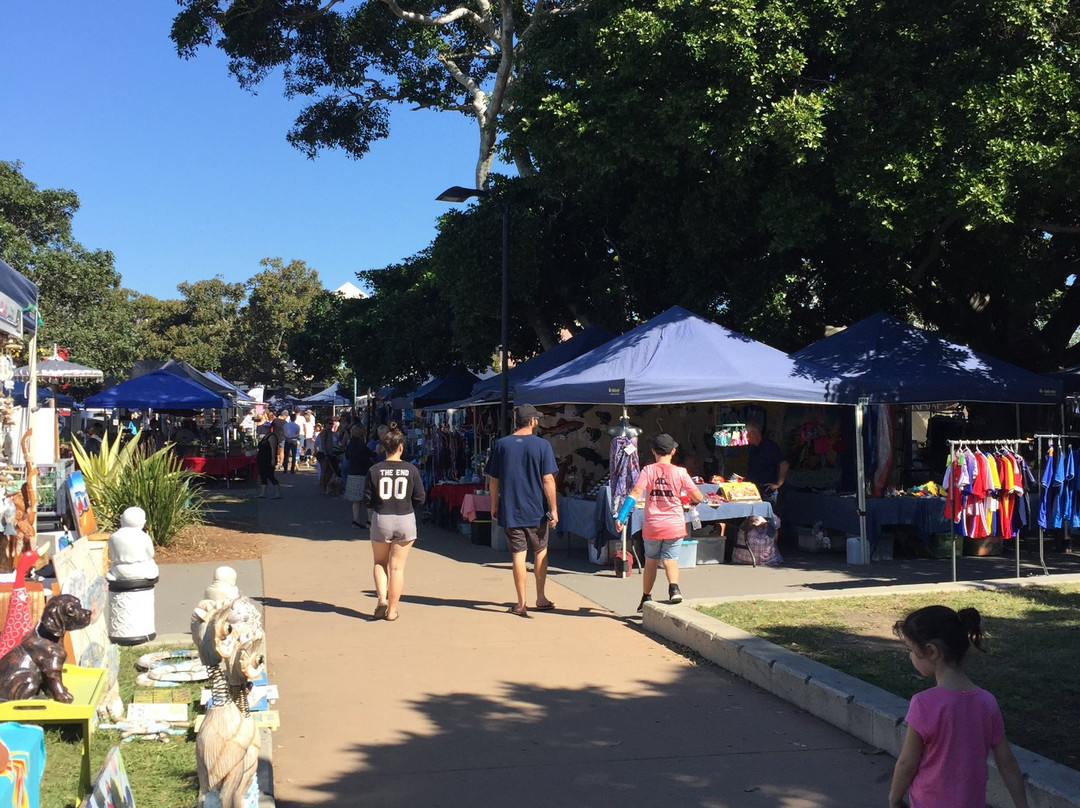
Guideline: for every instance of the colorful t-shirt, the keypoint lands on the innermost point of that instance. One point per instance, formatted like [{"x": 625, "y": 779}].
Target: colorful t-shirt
[
  {"x": 662, "y": 484},
  {"x": 958, "y": 728}
]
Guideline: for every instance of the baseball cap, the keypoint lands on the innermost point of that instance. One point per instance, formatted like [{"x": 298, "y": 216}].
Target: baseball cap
[
  {"x": 523, "y": 412},
  {"x": 664, "y": 444}
]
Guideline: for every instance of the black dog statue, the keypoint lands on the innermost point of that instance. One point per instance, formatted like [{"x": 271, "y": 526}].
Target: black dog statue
[{"x": 37, "y": 662}]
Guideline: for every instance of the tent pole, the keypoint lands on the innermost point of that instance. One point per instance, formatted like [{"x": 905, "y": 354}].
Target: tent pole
[{"x": 860, "y": 460}]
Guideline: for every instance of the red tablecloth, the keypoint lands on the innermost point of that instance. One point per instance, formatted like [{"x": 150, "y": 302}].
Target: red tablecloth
[
  {"x": 472, "y": 504},
  {"x": 452, "y": 493},
  {"x": 219, "y": 466}
]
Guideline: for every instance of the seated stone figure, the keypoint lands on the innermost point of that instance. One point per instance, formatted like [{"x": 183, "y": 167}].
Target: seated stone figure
[{"x": 132, "y": 550}]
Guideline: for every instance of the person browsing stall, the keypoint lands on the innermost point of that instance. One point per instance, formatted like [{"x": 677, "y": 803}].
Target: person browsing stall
[
  {"x": 660, "y": 485},
  {"x": 524, "y": 501}
]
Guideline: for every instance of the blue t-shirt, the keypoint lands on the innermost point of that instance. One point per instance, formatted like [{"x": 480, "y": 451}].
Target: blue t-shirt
[
  {"x": 519, "y": 463},
  {"x": 763, "y": 465}
]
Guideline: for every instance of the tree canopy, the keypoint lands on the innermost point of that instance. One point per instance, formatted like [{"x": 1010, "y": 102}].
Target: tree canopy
[
  {"x": 787, "y": 164},
  {"x": 356, "y": 59}
]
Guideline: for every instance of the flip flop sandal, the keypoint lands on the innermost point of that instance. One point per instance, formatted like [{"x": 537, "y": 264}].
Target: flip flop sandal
[
  {"x": 390, "y": 619},
  {"x": 380, "y": 611},
  {"x": 547, "y": 607},
  {"x": 522, "y": 613}
]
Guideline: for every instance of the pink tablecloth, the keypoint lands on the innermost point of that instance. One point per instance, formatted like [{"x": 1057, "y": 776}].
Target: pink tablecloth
[{"x": 472, "y": 504}]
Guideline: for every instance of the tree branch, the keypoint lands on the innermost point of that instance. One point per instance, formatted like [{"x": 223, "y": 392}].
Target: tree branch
[
  {"x": 443, "y": 19},
  {"x": 1057, "y": 229}
]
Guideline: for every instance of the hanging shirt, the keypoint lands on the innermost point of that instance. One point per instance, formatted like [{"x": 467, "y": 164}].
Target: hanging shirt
[
  {"x": 1047, "y": 497},
  {"x": 1065, "y": 492}
]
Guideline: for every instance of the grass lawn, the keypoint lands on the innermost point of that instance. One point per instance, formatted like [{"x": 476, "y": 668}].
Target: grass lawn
[
  {"x": 162, "y": 775},
  {"x": 1031, "y": 665}
]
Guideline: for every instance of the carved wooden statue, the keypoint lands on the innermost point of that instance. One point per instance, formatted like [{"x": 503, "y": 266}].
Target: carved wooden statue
[
  {"x": 232, "y": 646},
  {"x": 26, "y": 501}
]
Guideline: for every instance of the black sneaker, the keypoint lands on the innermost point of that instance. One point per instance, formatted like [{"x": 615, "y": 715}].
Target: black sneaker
[
  {"x": 644, "y": 599},
  {"x": 673, "y": 594}
]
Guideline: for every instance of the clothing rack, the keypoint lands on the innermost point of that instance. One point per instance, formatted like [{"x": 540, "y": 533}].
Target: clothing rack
[
  {"x": 960, "y": 446},
  {"x": 1050, "y": 438}
]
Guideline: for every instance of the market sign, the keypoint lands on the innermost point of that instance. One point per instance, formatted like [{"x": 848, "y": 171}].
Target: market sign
[{"x": 11, "y": 316}]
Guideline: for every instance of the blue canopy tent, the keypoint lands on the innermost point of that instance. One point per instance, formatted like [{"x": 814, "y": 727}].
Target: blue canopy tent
[
  {"x": 207, "y": 379},
  {"x": 24, "y": 293},
  {"x": 158, "y": 389},
  {"x": 677, "y": 358},
  {"x": 890, "y": 361},
  {"x": 43, "y": 394},
  {"x": 883, "y": 360},
  {"x": 455, "y": 385}
]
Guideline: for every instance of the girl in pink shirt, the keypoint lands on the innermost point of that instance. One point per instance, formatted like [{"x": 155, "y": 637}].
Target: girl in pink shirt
[
  {"x": 953, "y": 726},
  {"x": 662, "y": 484}
]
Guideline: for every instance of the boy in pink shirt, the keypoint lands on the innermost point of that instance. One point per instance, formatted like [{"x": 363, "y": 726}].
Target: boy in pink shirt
[{"x": 664, "y": 486}]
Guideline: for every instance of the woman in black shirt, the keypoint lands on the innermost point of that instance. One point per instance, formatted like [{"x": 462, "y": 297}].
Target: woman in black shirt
[{"x": 392, "y": 491}]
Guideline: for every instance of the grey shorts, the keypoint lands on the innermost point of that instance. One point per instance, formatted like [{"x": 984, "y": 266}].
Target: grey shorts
[
  {"x": 520, "y": 539},
  {"x": 391, "y": 527}
]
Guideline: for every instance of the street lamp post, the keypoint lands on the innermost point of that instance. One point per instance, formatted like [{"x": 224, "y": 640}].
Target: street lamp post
[{"x": 459, "y": 194}]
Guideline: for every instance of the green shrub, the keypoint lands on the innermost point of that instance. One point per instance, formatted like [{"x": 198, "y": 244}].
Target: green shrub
[
  {"x": 159, "y": 485},
  {"x": 123, "y": 475}
]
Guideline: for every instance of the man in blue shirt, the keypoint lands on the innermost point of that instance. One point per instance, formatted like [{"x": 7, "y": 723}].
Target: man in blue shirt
[
  {"x": 523, "y": 500},
  {"x": 766, "y": 467}
]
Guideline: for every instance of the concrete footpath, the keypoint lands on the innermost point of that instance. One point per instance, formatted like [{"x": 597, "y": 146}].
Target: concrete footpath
[{"x": 459, "y": 703}]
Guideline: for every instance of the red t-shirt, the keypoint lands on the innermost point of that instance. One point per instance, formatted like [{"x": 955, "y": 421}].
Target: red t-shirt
[{"x": 662, "y": 484}]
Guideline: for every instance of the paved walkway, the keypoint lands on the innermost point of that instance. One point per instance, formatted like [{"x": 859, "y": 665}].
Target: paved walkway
[{"x": 460, "y": 704}]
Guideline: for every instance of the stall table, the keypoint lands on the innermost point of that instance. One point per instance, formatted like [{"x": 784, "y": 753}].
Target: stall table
[
  {"x": 840, "y": 512},
  {"x": 453, "y": 494},
  {"x": 727, "y": 510},
  {"x": 219, "y": 465},
  {"x": 473, "y": 505}
]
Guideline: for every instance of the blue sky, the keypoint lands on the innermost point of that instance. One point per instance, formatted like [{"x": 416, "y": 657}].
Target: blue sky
[{"x": 183, "y": 175}]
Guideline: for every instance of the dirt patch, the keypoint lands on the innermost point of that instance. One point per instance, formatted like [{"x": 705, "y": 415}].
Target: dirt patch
[
  {"x": 873, "y": 632},
  {"x": 211, "y": 543}
]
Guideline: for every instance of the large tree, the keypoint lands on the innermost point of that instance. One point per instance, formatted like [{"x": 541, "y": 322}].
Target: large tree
[
  {"x": 356, "y": 59},
  {"x": 786, "y": 164},
  {"x": 83, "y": 307},
  {"x": 278, "y": 299}
]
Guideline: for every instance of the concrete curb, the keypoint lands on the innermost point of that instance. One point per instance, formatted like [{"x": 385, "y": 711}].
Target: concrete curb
[{"x": 868, "y": 713}]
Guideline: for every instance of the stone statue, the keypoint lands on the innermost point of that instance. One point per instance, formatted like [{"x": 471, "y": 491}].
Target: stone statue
[
  {"x": 231, "y": 644},
  {"x": 131, "y": 580},
  {"x": 131, "y": 549},
  {"x": 223, "y": 587}
]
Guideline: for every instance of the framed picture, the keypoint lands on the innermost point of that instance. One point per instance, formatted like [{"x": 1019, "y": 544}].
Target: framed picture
[{"x": 85, "y": 521}]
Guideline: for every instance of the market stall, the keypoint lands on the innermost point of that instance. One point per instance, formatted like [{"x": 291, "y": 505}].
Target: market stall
[
  {"x": 689, "y": 370},
  {"x": 163, "y": 389},
  {"x": 882, "y": 361}
]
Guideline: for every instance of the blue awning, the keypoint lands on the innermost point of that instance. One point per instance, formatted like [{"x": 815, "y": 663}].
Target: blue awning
[
  {"x": 675, "y": 358},
  {"x": 890, "y": 361},
  {"x": 161, "y": 390}
]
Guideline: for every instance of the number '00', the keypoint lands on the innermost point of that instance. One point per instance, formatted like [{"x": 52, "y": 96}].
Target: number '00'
[{"x": 393, "y": 487}]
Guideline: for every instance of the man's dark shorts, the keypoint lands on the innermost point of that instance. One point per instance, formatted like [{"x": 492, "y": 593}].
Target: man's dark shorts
[{"x": 520, "y": 539}]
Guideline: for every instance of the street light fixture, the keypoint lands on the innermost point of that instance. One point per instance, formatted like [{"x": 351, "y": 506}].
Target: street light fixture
[{"x": 459, "y": 194}]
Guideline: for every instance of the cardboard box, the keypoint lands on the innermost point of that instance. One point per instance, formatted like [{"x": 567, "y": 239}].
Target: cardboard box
[
  {"x": 882, "y": 549},
  {"x": 941, "y": 544},
  {"x": 810, "y": 541}
]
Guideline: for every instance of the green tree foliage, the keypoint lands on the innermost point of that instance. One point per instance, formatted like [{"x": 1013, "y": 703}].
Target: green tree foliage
[
  {"x": 786, "y": 164},
  {"x": 278, "y": 298},
  {"x": 354, "y": 59},
  {"x": 83, "y": 307},
  {"x": 319, "y": 348},
  {"x": 200, "y": 328}
]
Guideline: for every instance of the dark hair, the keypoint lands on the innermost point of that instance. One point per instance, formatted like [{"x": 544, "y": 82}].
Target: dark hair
[
  {"x": 394, "y": 438},
  {"x": 953, "y": 632}
]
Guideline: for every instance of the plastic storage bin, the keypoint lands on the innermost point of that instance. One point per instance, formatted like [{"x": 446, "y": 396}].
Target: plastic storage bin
[
  {"x": 688, "y": 553},
  {"x": 711, "y": 550},
  {"x": 855, "y": 547}
]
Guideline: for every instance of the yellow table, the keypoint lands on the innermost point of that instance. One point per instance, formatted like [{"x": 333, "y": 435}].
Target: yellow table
[{"x": 86, "y": 685}]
